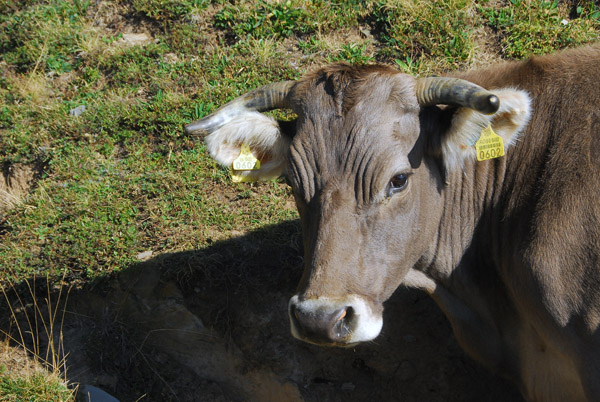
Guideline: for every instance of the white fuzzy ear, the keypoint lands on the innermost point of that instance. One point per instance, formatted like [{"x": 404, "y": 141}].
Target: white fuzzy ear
[
  {"x": 467, "y": 124},
  {"x": 261, "y": 133}
]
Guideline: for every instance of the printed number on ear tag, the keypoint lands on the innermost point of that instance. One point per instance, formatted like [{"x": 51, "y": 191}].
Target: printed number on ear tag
[
  {"x": 245, "y": 162},
  {"x": 489, "y": 145}
]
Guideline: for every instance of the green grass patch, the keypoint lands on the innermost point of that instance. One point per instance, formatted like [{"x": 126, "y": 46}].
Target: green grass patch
[
  {"x": 264, "y": 19},
  {"x": 36, "y": 387},
  {"x": 432, "y": 29},
  {"x": 44, "y": 36},
  {"x": 122, "y": 177},
  {"x": 356, "y": 53},
  {"x": 167, "y": 10},
  {"x": 283, "y": 19},
  {"x": 537, "y": 27},
  {"x": 96, "y": 212}
]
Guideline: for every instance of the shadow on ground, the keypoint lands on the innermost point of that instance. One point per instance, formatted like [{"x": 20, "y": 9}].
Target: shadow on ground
[{"x": 211, "y": 325}]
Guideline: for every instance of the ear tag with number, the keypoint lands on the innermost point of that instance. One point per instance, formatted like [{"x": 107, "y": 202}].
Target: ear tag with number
[
  {"x": 489, "y": 145},
  {"x": 246, "y": 161}
]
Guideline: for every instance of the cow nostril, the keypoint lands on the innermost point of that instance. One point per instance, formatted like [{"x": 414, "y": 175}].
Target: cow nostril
[
  {"x": 322, "y": 324},
  {"x": 341, "y": 328}
]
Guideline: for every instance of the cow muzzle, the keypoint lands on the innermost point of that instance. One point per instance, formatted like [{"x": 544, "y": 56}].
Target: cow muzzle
[{"x": 334, "y": 322}]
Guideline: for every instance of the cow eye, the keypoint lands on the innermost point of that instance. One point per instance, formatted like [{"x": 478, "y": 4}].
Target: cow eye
[{"x": 398, "y": 183}]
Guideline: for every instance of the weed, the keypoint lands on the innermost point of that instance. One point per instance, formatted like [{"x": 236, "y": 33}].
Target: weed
[
  {"x": 408, "y": 65},
  {"x": 353, "y": 53}
]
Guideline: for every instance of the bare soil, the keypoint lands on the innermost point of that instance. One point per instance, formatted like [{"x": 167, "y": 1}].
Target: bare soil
[
  {"x": 15, "y": 183},
  {"x": 212, "y": 325}
]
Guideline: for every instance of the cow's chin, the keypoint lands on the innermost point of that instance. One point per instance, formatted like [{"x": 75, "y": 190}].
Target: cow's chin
[{"x": 358, "y": 320}]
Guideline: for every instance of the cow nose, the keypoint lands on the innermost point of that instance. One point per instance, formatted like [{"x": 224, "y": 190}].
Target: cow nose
[{"x": 323, "y": 325}]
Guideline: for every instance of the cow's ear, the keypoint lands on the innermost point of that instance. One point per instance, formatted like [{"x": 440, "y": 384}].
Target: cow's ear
[
  {"x": 457, "y": 141},
  {"x": 262, "y": 134}
]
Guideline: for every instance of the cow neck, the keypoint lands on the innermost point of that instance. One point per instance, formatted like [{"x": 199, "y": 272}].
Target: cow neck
[{"x": 472, "y": 203}]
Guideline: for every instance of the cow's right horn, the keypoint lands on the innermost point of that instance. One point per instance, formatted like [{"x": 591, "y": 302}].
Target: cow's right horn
[
  {"x": 455, "y": 91},
  {"x": 269, "y": 97}
]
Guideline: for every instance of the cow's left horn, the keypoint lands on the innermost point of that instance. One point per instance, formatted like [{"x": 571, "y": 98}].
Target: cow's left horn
[
  {"x": 454, "y": 91},
  {"x": 269, "y": 97}
]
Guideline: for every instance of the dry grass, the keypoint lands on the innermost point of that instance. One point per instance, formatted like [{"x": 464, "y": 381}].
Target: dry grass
[{"x": 32, "y": 356}]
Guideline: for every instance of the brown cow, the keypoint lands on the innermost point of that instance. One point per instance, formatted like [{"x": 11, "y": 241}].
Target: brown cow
[{"x": 385, "y": 177}]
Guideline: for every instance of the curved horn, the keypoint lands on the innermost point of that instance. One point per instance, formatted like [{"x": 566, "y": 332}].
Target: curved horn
[
  {"x": 268, "y": 97},
  {"x": 454, "y": 91}
]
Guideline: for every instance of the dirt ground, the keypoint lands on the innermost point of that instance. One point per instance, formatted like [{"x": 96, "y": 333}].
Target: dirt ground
[
  {"x": 211, "y": 325},
  {"x": 15, "y": 182}
]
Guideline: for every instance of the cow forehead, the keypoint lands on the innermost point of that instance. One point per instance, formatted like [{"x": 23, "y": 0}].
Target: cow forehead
[
  {"x": 339, "y": 88},
  {"x": 354, "y": 126}
]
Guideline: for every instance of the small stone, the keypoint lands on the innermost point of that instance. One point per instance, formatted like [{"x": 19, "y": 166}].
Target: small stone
[
  {"x": 170, "y": 58},
  {"x": 134, "y": 39},
  {"x": 366, "y": 33},
  {"x": 144, "y": 255},
  {"x": 77, "y": 111}
]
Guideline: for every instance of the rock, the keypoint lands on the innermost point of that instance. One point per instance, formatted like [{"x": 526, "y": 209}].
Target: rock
[
  {"x": 77, "y": 111},
  {"x": 89, "y": 393},
  {"x": 144, "y": 255},
  {"x": 366, "y": 33},
  {"x": 134, "y": 39}
]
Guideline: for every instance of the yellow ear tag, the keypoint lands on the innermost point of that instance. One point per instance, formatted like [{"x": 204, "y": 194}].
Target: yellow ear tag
[
  {"x": 489, "y": 145},
  {"x": 246, "y": 161}
]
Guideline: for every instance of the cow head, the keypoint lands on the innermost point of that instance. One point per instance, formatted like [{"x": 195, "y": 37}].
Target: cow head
[{"x": 366, "y": 159}]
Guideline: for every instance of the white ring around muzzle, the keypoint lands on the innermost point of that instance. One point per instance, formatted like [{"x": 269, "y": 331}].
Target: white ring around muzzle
[{"x": 366, "y": 323}]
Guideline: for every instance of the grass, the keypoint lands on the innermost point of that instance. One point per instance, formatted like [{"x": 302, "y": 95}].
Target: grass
[
  {"x": 21, "y": 382},
  {"x": 537, "y": 27},
  {"x": 122, "y": 178},
  {"x": 32, "y": 357},
  {"x": 441, "y": 30}
]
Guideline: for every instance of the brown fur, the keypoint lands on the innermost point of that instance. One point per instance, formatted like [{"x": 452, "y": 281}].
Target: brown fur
[{"x": 509, "y": 248}]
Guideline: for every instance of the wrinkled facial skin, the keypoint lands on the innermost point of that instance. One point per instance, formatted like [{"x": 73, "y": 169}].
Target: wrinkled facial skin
[{"x": 369, "y": 203}]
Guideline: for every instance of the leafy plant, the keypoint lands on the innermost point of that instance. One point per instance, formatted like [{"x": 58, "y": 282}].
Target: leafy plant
[
  {"x": 353, "y": 53},
  {"x": 408, "y": 65}
]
